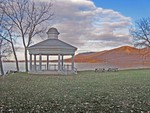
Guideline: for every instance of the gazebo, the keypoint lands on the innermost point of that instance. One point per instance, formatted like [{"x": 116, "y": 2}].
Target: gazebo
[{"x": 51, "y": 47}]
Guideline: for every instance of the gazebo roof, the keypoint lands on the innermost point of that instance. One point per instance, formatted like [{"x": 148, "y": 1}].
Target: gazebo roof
[{"x": 51, "y": 44}]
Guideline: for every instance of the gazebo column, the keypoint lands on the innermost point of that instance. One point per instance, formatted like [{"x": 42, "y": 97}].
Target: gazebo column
[
  {"x": 30, "y": 62},
  {"x": 62, "y": 62},
  {"x": 59, "y": 63},
  {"x": 34, "y": 62},
  {"x": 40, "y": 62},
  {"x": 72, "y": 66},
  {"x": 47, "y": 62}
]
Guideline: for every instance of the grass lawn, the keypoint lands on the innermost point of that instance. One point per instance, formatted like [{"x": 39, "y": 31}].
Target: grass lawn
[{"x": 88, "y": 92}]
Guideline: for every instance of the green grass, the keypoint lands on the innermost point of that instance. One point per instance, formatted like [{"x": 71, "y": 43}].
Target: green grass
[{"x": 88, "y": 92}]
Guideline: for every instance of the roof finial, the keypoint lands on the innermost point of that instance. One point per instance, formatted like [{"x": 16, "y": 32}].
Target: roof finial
[{"x": 53, "y": 33}]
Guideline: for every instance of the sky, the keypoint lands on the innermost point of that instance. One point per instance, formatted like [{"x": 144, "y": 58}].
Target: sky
[
  {"x": 96, "y": 25},
  {"x": 135, "y": 9}
]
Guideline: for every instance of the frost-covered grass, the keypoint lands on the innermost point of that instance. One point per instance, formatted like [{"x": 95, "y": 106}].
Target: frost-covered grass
[{"x": 88, "y": 92}]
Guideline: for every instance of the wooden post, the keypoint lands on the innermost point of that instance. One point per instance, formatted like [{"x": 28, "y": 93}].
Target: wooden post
[
  {"x": 30, "y": 62},
  {"x": 59, "y": 62},
  {"x": 72, "y": 62},
  {"x": 47, "y": 62},
  {"x": 62, "y": 62},
  {"x": 34, "y": 62},
  {"x": 40, "y": 63}
]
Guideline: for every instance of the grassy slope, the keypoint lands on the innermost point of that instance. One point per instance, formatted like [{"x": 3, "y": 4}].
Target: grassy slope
[{"x": 90, "y": 92}]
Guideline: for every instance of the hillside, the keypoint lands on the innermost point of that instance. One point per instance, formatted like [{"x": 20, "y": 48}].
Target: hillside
[{"x": 124, "y": 56}]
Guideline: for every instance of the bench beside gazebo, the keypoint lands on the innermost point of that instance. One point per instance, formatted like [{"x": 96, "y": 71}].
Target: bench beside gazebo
[{"x": 52, "y": 47}]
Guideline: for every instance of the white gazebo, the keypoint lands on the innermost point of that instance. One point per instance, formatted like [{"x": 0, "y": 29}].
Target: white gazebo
[{"x": 51, "y": 47}]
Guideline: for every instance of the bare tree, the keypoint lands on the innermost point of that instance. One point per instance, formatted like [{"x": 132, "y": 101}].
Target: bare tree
[
  {"x": 5, "y": 50},
  {"x": 6, "y": 33},
  {"x": 141, "y": 36},
  {"x": 1, "y": 64},
  {"x": 141, "y": 33},
  {"x": 28, "y": 16},
  {"x": 9, "y": 37},
  {"x": 1, "y": 42}
]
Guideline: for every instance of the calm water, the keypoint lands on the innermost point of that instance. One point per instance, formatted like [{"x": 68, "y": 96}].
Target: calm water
[{"x": 80, "y": 66}]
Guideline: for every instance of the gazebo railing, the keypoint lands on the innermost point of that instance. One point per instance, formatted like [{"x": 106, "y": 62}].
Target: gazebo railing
[
  {"x": 52, "y": 67},
  {"x": 66, "y": 68},
  {"x": 43, "y": 67},
  {"x": 55, "y": 67}
]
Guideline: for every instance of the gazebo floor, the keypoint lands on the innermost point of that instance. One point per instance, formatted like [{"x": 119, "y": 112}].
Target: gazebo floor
[{"x": 52, "y": 72}]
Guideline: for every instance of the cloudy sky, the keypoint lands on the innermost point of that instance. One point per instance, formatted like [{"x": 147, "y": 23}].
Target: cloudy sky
[
  {"x": 95, "y": 25},
  {"x": 90, "y": 27}
]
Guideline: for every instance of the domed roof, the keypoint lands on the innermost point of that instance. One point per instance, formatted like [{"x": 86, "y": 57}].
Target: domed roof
[{"x": 52, "y": 31}]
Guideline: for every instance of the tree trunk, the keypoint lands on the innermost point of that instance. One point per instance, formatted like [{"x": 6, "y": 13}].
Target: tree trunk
[
  {"x": 16, "y": 59},
  {"x": 26, "y": 60},
  {"x": 1, "y": 66}
]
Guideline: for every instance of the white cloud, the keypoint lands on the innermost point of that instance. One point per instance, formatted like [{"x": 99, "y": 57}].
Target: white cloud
[{"x": 88, "y": 27}]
